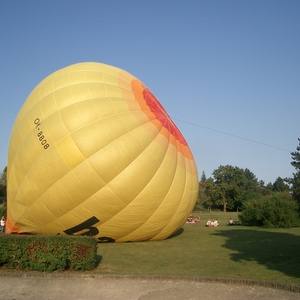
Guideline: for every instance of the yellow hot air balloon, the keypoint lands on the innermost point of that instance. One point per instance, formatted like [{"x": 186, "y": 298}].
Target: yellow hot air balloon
[{"x": 93, "y": 152}]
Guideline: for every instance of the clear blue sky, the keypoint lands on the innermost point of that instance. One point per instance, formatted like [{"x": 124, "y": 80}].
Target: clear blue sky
[{"x": 229, "y": 65}]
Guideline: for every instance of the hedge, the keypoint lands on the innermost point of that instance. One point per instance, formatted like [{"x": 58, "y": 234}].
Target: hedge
[
  {"x": 48, "y": 253},
  {"x": 275, "y": 210}
]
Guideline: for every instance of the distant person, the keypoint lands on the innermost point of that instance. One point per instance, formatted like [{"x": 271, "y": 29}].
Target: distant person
[
  {"x": 2, "y": 224},
  {"x": 231, "y": 222},
  {"x": 215, "y": 223},
  {"x": 208, "y": 223}
]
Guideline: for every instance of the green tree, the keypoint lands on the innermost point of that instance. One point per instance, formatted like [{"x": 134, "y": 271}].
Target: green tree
[
  {"x": 202, "y": 197},
  {"x": 3, "y": 185},
  {"x": 203, "y": 177},
  {"x": 210, "y": 194},
  {"x": 295, "y": 180},
  {"x": 232, "y": 186},
  {"x": 264, "y": 189},
  {"x": 269, "y": 186},
  {"x": 280, "y": 185},
  {"x": 4, "y": 176},
  {"x": 275, "y": 210}
]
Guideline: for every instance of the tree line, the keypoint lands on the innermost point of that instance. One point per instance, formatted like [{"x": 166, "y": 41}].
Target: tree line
[
  {"x": 3, "y": 186},
  {"x": 231, "y": 188}
]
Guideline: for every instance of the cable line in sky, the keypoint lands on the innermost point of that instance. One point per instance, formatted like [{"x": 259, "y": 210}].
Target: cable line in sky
[{"x": 233, "y": 135}]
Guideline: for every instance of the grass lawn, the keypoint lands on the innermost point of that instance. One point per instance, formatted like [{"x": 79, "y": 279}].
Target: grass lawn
[{"x": 224, "y": 252}]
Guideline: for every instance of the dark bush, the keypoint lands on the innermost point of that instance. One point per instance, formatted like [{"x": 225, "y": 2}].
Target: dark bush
[
  {"x": 48, "y": 253},
  {"x": 275, "y": 210},
  {"x": 1, "y": 210}
]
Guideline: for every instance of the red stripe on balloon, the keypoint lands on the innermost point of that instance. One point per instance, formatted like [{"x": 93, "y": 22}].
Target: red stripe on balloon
[{"x": 160, "y": 113}]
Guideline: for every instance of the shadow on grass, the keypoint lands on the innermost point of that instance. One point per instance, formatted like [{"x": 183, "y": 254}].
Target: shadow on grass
[
  {"x": 276, "y": 250},
  {"x": 176, "y": 233},
  {"x": 98, "y": 260}
]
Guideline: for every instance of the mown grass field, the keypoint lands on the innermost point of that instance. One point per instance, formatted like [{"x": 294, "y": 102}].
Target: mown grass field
[{"x": 224, "y": 252}]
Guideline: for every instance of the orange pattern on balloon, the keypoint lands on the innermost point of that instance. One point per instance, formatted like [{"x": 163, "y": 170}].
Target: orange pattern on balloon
[
  {"x": 10, "y": 227},
  {"x": 152, "y": 107}
]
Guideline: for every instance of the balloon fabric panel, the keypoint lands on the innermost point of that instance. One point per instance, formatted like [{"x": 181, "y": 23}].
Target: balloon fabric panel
[{"x": 93, "y": 152}]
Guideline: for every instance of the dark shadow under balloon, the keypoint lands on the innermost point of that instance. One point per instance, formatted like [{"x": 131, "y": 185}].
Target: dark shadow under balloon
[{"x": 176, "y": 233}]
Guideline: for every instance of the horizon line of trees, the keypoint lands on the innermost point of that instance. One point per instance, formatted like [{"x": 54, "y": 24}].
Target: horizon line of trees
[
  {"x": 231, "y": 188},
  {"x": 3, "y": 185}
]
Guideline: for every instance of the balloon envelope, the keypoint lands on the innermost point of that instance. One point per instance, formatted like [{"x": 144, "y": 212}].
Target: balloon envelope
[{"x": 93, "y": 152}]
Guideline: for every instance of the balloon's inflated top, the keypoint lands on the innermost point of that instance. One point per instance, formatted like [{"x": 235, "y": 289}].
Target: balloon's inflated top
[{"x": 93, "y": 152}]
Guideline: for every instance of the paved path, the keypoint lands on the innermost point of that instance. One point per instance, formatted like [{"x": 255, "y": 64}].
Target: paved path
[{"x": 85, "y": 287}]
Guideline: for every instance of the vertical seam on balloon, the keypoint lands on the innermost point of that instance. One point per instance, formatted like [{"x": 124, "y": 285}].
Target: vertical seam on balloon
[
  {"x": 22, "y": 180},
  {"x": 184, "y": 190},
  {"x": 79, "y": 71},
  {"x": 188, "y": 172},
  {"x": 86, "y": 159},
  {"x": 68, "y": 86},
  {"x": 99, "y": 120},
  {"x": 23, "y": 142},
  {"x": 153, "y": 175},
  {"x": 106, "y": 183},
  {"x": 29, "y": 110},
  {"x": 67, "y": 129},
  {"x": 179, "y": 202},
  {"x": 56, "y": 111},
  {"x": 26, "y": 174},
  {"x": 76, "y": 103},
  {"x": 79, "y": 164},
  {"x": 170, "y": 187},
  {"x": 71, "y": 133},
  {"x": 167, "y": 193}
]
